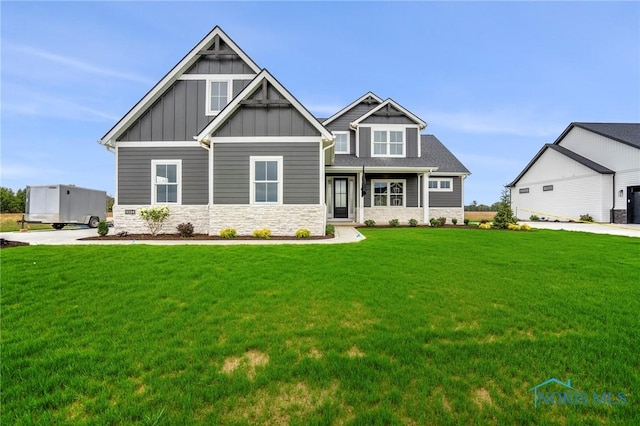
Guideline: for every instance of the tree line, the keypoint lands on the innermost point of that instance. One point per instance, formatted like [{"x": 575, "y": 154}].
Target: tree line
[
  {"x": 475, "y": 207},
  {"x": 16, "y": 202}
]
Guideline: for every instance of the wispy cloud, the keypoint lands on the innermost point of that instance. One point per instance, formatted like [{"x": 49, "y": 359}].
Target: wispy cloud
[
  {"x": 511, "y": 121},
  {"x": 76, "y": 63},
  {"x": 55, "y": 108},
  {"x": 23, "y": 171}
]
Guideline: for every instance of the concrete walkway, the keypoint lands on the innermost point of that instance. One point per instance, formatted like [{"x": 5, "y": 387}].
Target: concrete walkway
[
  {"x": 627, "y": 230},
  {"x": 343, "y": 234}
]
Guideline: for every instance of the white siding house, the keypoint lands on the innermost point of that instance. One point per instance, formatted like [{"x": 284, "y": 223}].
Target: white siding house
[{"x": 592, "y": 168}]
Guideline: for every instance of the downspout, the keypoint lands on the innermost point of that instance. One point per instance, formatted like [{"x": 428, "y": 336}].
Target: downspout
[
  {"x": 613, "y": 201},
  {"x": 206, "y": 144},
  {"x": 323, "y": 183}
]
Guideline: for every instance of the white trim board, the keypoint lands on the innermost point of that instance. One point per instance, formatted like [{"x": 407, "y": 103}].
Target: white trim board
[{"x": 217, "y": 77}]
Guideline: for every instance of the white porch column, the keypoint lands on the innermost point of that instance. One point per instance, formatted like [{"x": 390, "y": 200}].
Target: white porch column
[
  {"x": 425, "y": 197},
  {"x": 361, "y": 203}
]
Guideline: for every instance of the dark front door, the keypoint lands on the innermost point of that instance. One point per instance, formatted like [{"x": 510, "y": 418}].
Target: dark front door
[
  {"x": 633, "y": 204},
  {"x": 340, "y": 206}
]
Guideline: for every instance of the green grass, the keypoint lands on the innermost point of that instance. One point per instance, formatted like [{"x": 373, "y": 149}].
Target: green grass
[{"x": 411, "y": 326}]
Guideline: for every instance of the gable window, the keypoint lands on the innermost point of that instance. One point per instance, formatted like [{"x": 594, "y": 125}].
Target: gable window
[
  {"x": 441, "y": 184},
  {"x": 218, "y": 95},
  {"x": 266, "y": 180},
  {"x": 342, "y": 142},
  {"x": 166, "y": 177},
  {"x": 547, "y": 188},
  {"x": 388, "y": 143},
  {"x": 388, "y": 193},
  {"x": 523, "y": 190}
]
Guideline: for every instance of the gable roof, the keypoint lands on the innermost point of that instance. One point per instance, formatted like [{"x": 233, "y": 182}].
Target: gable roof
[
  {"x": 156, "y": 91},
  {"x": 235, "y": 104},
  {"x": 626, "y": 133},
  {"x": 434, "y": 156},
  {"x": 388, "y": 103},
  {"x": 369, "y": 95},
  {"x": 598, "y": 168}
]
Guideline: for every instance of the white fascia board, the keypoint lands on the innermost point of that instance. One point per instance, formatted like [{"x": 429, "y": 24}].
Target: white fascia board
[
  {"x": 422, "y": 124},
  {"x": 159, "y": 144},
  {"x": 235, "y": 104},
  {"x": 381, "y": 169},
  {"x": 449, "y": 174},
  {"x": 351, "y": 105},
  {"x": 216, "y": 77},
  {"x": 160, "y": 87},
  {"x": 265, "y": 139}
]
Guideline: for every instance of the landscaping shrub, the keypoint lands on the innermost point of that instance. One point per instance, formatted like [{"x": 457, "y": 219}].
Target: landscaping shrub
[
  {"x": 586, "y": 218},
  {"x": 534, "y": 218},
  {"x": 264, "y": 233},
  {"x": 103, "y": 228},
  {"x": 329, "y": 230},
  {"x": 303, "y": 233},
  {"x": 525, "y": 227},
  {"x": 442, "y": 221},
  {"x": 484, "y": 225},
  {"x": 228, "y": 233},
  {"x": 434, "y": 222},
  {"x": 466, "y": 221},
  {"x": 454, "y": 221},
  {"x": 413, "y": 223},
  {"x": 370, "y": 223},
  {"x": 155, "y": 218},
  {"x": 185, "y": 230},
  {"x": 394, "y": 223},
  {"x": 504, "y": 215},
  {"x": 513, "y": 227}
]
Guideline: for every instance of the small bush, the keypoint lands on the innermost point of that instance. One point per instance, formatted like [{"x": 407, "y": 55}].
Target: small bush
[
  {"x": 185, "y": 230},
  {"x": 228, "y": 233},
  {"x": 513, "y": 227},
  {"x": 442, "y": 221},
  {"x": 264, "y": 233},
  {"x": 483, "y": 221},
  {"x": 329, "y": 230},
  {"x": 586, "y": 218},
  {"x": 413, "y": 223},
  {"x": 394, "y": 223},
  {"x": 437, "y": 222},
  {"x": 154, "y": 218},
  {"x": 370, "y": 223},
  {"x": 534, "y": 218},
  {"x": 484, "y": 225},
  {"x": 525, "y": 227},
  {"x": 466, "y": 221},
  {"x": 103, "y": 228},
  {"x": 454, "y": 221},
  {"x": 303, "y": 233}
]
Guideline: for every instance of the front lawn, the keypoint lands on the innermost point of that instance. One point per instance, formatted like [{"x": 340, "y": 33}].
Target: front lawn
[{"x": 411, "y": 326}]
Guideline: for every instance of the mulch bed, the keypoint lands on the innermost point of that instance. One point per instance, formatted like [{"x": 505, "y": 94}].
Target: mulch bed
[
  {"x": 204, "y": 237},
  {"x": 8, "y": 244}
]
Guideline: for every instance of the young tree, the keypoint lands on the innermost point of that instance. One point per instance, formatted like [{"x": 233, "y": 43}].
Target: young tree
[
  {"x": 7, "y": 200},
  {"x": 504, "y": 215}
]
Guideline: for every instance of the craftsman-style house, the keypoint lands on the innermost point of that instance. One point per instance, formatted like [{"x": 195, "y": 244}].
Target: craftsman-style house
[{"x": 225, "y": 145}]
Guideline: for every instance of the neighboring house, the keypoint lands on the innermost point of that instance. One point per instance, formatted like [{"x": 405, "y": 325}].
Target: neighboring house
[
  {"x": 225, "y": 145},
  {"x": 592, "y": 168}
]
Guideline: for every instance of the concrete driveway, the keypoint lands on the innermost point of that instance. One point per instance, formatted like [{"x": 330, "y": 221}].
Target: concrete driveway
[{"x": 627, "y": 230}]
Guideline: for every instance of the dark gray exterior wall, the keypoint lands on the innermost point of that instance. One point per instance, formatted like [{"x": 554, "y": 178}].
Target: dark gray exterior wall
[
  {"x": 178, "y": 115},
  {"x": 134, "y": 174},
  {"x": 301, "y": 168},
  {"x": 365, "y": 142},
  {"x": 342, "y": 123},
  {"x": 411, "y": 191},
  {"x": 221, "y": 64},
  {"x": 412, "y": 142},
  {"x": 380, "y": 119},
  {"x": 411, "y": 138},
  {"x": 447, "y": 199},
  {"x": 273, "y": 121}
]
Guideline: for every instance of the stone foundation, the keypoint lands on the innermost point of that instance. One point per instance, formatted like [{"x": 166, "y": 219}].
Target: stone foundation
[
  {"x": 447, "y": 212},
  {"x": 382, "y": 215},
  {"x": 198, "y": 216},
  {"x": 619, "y": 216},
  {"x": 282, "y": 220}
]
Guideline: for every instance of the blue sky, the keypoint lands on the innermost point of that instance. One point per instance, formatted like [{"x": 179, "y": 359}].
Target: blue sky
[{"x": 493, "y": 80}]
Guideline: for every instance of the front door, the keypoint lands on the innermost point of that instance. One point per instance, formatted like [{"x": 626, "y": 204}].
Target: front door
[
  {"x": 633, "y": 204},
  {"x": 340, "y": 202}
]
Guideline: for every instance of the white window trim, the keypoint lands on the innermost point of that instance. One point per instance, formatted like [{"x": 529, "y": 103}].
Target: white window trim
[
  {"x": 389, "y": 128},
  {"x": 229, "y": 82},
  {"x": 348, "y": 151},
  {"x": 252, "y": 178},
  {"x": 388, "y": 182},
  {"x": 440, "y": 188},
  {"x": 154, "y": 193}
]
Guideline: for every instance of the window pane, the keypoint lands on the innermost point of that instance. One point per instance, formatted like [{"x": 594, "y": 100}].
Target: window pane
[
  {"x": 272, "y": 170},
  {"x": 172, "y": 173},
  {"x": 433, "y": 184},
  {"x": 379, "y": 136},
  {"x": 272, "y": 192},
  {"x": 379, "y": 200},
  {"x": 341, "y": 142},
  {"x": 261, "y": 170},
  {"x": 445, "y": 184},
  {"x": 379, "y": 148},
  {"x": 172, "y": 193},
  {"x": 396, "y": 200},
  {"x": 380, "y": 188},
  {"x": 395, "y": 149},
  {"x": 161, "y": 193},
  {"x": 396, "y": 187},
  {"x": 395, "y": 136},
  {"x": 261, "y": 192}
]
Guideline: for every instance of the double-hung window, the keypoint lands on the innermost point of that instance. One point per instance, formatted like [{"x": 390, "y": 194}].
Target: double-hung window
[
  {"x": 441, "y": 184},
  {"x": 266, "y": 180},
  {"x": 388, "y": 143},
  {"x": 166, "y": 176},
  {"x": 388, "y": 193},
  {"x": 342, "y": 142},
  {"x": 218, "y": 95}
]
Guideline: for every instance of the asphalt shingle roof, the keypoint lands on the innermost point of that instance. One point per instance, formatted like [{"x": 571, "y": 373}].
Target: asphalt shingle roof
[
  {"x": 434, "y": 154},
  {"x": 627, "y": 133}
]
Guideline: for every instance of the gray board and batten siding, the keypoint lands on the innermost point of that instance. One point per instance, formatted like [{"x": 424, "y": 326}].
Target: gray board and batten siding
[
  {"x": 301, "y": 168},
  {"x": 178, "y": 115},
  {"x": 281, "y": 119},
  {"x": 411, "y": 138},
  {"x": 134, "y": 174},
  {"x": 447, "y": 198},
  {"x": 225, "y": 61},
  {"x": 341, "y": 124}
]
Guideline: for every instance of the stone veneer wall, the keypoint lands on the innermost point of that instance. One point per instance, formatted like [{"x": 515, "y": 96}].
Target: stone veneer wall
[
  {"x": 281, "y": 219},
  {"x": 447, "y": 212},
  {"x": 382, "y": 215},
  {"x": 619, "y": 216},
  {"x": 198, "y": 216}
]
